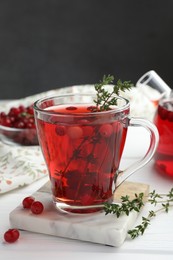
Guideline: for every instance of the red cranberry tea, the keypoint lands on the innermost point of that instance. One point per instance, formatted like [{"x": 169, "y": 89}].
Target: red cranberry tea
[
  {"x": 82, "y": 154},
  {"x": 164, "y": 122},
  {"x": 82, "y": 138}
]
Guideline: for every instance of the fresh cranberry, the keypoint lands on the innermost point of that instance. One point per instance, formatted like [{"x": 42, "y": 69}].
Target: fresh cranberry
[
  {"x": 14, "y": 111},
  {"x": 29, "y": 125},
  {"x": 22, "y": 109},
  {"x": 2, "y": 114},
  {"x": 19, "y": 124},
  {"x": 31, "y": 120},
  {"x": 27, "y": 202},
  {"x": 6, "y": 122},
  {"x": 12, "y": 119},
  {"x": 11, "y": 235},
  {"x": 30, "y": 110},
  {"x": 37, "y": 207}
]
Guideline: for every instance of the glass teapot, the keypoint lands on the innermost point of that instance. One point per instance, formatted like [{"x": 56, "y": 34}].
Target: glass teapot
[{"x": 162, "y": 96}]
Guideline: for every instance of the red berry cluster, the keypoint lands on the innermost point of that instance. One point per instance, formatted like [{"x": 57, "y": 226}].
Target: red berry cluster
[
  {"x": 22, "y": 119},
  {"x": 18, "y": 117},
  {"x": 36, "y": 207}
]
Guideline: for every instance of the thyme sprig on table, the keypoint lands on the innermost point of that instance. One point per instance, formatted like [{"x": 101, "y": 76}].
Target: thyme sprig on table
[
  {"x": 127, "y": 205},
  {"x": 104, "y": 98}
]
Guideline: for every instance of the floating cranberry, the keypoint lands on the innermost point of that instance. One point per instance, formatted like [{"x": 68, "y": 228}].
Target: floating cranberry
[
  {"x": 88, "y": 130},
  {"x": 75, "y": 132},
  {"x": 37, "y": 207},
  {"x": 92, "y": 109},
  {"x": 71, "y": 108},
  {"x": 106, "y": 130},
  {"x": 60, "y": 130},
  {"x": 11, "y": 235},
  {"x": 27, "y": 202}
]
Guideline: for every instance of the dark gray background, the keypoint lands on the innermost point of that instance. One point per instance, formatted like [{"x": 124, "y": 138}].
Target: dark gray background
[{"x": 45, "y": 44}]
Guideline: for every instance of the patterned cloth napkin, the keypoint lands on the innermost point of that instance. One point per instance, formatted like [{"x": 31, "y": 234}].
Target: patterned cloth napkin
[{"x": 22, "y": 165}]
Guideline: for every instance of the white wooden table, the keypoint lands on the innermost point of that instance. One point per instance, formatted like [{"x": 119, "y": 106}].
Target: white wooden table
[{"x": 156, "y": 243}]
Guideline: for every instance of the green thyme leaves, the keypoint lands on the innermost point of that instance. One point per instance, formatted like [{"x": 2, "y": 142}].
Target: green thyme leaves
[
  {"x": 105, "y": 99},
  {"x": 163, "y": 202}
]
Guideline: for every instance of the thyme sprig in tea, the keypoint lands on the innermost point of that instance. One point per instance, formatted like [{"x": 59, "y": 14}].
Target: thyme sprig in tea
[
  {"x": 104, "y": 98},
  {"x": 126, "y": 206}
]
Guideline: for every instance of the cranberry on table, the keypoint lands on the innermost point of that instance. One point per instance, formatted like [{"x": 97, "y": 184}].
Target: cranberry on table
[
  {"x": 27, "y": 202},
  {"x": 37, "y": 207},
  {"x": 11, "y": 235}
]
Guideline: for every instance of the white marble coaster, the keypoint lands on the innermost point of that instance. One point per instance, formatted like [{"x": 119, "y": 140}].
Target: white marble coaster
[{"x": 95, "y": 227}]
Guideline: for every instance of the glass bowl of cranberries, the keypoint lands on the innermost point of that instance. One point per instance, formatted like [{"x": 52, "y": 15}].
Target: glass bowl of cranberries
[{"x": 17, "y": 126}]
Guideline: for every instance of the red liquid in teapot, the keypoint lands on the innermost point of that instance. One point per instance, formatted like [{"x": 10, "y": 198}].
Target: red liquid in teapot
[
  {"x": 164, "y": 122},
  {"x": 82, "y": 156}
]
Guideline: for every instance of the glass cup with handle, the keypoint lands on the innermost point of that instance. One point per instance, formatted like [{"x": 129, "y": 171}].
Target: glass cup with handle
[{"x": 83, "y": 146}]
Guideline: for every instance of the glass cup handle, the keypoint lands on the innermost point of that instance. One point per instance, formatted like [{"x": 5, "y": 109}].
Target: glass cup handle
[{"x": 154, "y": 139}]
